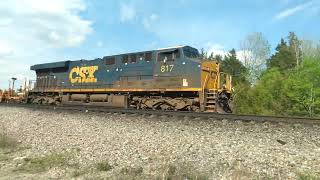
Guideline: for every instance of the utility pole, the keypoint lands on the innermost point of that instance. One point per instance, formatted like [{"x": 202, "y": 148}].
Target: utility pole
[
  {"x": 25, "y": 88},
  {"x": 9, "y": 90},
  {"x": 13, "y": 80}
]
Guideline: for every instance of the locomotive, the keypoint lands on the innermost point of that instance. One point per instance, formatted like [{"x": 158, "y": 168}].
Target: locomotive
[{"x": 173, "y": 78}]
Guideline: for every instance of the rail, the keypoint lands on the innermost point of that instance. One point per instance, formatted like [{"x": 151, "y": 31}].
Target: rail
[{"x": 206, "y": 115}]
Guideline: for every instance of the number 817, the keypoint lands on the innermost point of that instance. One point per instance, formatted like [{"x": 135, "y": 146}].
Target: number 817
[{"x": 166, "y": 68}]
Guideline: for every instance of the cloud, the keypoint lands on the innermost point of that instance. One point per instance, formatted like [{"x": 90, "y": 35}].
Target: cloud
[
  {"x": 127, "y": 12},
  {"x": 54, "y": 22},
  {"x": 215, "y": 49},
  {"x": 33, "y": 31},
  {"x": 147, "y": 22},
  {"x": 5, "y": 50},
  {"x": 218, "y": 49},
  {"x": 5, "y": 21},
  {"x": 292, "y": 11}
]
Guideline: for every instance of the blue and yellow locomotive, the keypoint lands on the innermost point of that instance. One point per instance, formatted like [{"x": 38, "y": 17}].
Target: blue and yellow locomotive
[{"x": 164, "y": 79}]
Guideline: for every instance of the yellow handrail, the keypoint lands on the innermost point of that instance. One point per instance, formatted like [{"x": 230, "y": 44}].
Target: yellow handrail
[{"x": 204, "y": 86}]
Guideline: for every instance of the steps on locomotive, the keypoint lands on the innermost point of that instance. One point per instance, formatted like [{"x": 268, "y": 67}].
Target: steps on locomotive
[{"x": 210, "y": 100}]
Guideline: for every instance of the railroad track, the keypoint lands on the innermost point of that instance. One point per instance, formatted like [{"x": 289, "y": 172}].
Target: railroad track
[{"x": 234, "y": 117}]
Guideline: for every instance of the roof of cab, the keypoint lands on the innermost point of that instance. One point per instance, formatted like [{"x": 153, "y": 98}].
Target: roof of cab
[
  {"x": 53, "y": 65},
  {"x": 66, "y": 63}
]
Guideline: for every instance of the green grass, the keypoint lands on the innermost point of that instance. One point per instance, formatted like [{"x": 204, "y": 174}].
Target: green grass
[
  {"x": 4, "y": 157},
  {"x": 79, "y": 172},
  {"x": 183, "y": 172},
  {"x": 103, "y": 166},
  {"x": 308, "y": 176},
  {"x": 44, "y": 163},
  {"x": 134, "y": 171},
  {"x": 7, "y": 142}
]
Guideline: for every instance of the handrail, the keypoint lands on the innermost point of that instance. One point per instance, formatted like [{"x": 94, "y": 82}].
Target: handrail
[{"x": 204, "y": 85}]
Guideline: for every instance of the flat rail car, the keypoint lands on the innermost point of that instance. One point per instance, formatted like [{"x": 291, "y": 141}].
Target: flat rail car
[{"x": 171, "y": 78}]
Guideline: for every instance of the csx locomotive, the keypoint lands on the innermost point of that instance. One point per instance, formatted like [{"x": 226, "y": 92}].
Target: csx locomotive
[{"x": 164, "y": 79}]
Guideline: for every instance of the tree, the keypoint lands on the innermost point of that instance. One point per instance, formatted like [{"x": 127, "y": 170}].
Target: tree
[
  {"x": 310, "y": 49},
  {"x": 218, "y": 58},
  {"x": 303, "y": 89},
  {"x": 203, "y": 54},
  {"x": 234, "y": 67},
  {"x": 266, "y": 97},
  {"x": 289, "y": 86},
  {"x": 295, "y": 47},
  {"x": 283, "y": 59},
  {"x": 255, "y": 51}
]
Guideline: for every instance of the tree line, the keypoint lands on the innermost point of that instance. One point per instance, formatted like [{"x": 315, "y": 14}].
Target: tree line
[{"x": 285, "y": 83}]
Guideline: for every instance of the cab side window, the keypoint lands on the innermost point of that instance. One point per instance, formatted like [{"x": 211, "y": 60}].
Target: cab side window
[
  {"x": 125, "y": 59},
  {"x": 148, "y": 56},
  {"x": 133, "y": 58},
  {"x": 140, "y": 56},
  {"x": 110, "y": 60},
  {"x": 168, "y": 56}
]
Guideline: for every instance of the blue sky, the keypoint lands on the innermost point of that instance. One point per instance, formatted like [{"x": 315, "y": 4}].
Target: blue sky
[
  {"x": 40, "y": 31},
  {"x": 221, "y": 24}
]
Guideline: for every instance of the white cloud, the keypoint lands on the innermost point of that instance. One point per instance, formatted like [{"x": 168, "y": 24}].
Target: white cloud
[
  {"x": 32, "y": 31},
  {"x": 5, "y": 21},
  {"x": 5, "y": 50},
  {"x": 127, "y": 12},
  {"x": 291, "y": 11},
  {"x": 147, "y": 22},
  {"x": 218, "y": 49},
  {"x": 215, "y": 49}
]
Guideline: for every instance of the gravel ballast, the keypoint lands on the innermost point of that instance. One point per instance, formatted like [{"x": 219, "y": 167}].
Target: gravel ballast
[{"x": 154, "y": 145}]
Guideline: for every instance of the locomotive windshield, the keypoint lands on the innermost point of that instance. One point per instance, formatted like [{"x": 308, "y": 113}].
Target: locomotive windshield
[{"x": 190, "y": 52}]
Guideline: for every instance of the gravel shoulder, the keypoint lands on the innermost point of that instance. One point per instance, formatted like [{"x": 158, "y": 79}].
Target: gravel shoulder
[{"x": 121, "y": 146}]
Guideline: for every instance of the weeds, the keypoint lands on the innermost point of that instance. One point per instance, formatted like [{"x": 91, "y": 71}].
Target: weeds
[
  {"x": 308, "y": 176},
  {"x": 7, "y": 142},
  {"x": 4, "y": 157},
  {"x": 103, "y": 166},
  {"x": 134, "y": 171},
  {"x": 78, "y": 173},
  {"x": 44, "y": 163},
  {"x": 182, "y": 172}
]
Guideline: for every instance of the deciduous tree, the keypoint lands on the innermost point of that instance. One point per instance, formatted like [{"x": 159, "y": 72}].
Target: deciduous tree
[{"x": 255, "y": 50}]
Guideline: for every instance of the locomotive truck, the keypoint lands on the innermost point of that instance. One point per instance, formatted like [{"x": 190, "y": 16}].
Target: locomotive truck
[{"x": 173, "y": 78}]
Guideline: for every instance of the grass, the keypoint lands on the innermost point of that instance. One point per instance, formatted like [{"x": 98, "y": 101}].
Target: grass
[
  {"x": 44, "y": 163},
  {"x": 7, "y": 142},
  {"x": 4, "y": 157},
  {"x": 308, "y": 176},
  {"x": 78, "y": 173},
  {"x": 103, "y": 166},
  {"x": 132, "y": 171},
  {"x": 182, "y": 172}
]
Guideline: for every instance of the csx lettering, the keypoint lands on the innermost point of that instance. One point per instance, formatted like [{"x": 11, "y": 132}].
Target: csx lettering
[
  {"x": 166, "y": 68},
  {"x": 83, "y": 74}
]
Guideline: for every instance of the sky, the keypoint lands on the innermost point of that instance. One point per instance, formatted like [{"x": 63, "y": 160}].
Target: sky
[{"x": 41, "y": 31}]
